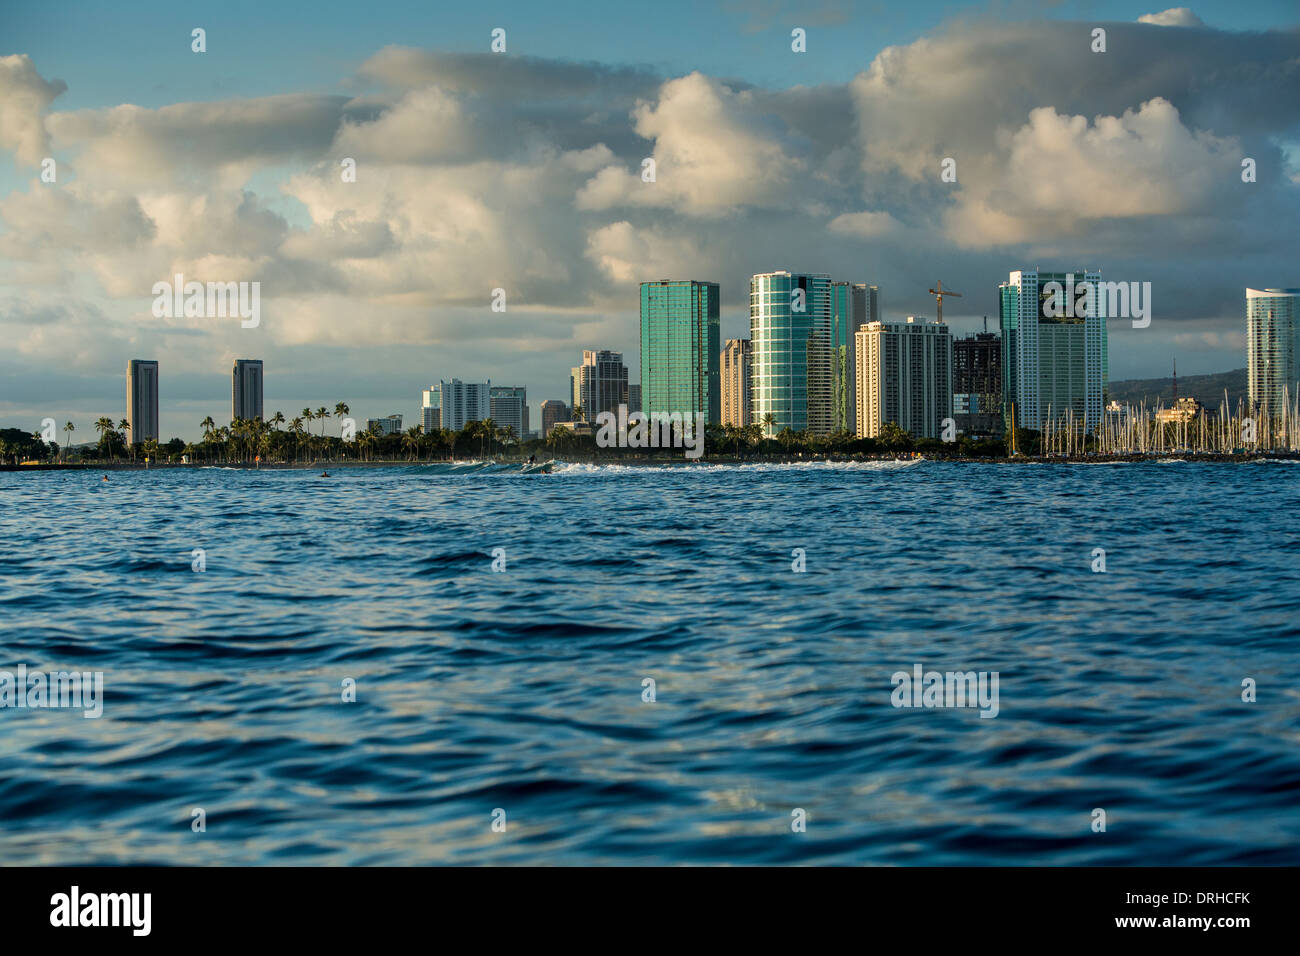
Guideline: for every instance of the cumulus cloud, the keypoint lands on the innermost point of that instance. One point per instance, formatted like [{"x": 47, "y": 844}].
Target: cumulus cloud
[
  {"x": 713, "y": 153},
  {"x": 1173, "y": 17},
  {"x": 24, "y": 99},
  {"x": 217, "y": 144},
  {"x": 1061, "y": 172},
  {"x": 630, "y": 256},
  {"x": 865, "y": 225}
]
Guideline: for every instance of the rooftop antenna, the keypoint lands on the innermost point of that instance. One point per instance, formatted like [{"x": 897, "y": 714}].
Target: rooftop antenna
[
  {"x": 939, "y": 293},
  {"x": 1175, "y": 381}
]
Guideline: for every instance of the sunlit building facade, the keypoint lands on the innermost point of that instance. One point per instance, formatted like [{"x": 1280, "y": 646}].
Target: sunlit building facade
[
  {"x": 736, "y": 357},
  {"x": 904, "y": 376}
]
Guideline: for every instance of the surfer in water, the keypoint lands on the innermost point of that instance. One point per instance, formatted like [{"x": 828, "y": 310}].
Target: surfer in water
[
  {"x": 532, "y": 459},
  {"x": 105, "y": 478},
  {"x": 324, "y": 474}
]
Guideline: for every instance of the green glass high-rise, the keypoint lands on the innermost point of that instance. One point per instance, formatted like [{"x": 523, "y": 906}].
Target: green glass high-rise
[
  {"x": 680, "y": 346},
  {"x": 792, "y": 369}
]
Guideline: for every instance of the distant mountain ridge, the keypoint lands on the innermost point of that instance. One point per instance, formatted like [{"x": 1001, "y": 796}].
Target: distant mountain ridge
[{"x": 1208, "y": 389}]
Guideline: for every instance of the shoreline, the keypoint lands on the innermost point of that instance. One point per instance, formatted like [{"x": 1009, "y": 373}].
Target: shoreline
[{"x": 651, "y": 462}]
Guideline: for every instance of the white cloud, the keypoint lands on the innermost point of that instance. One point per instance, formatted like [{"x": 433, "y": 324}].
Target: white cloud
[
  {"x": 714, "y": 153},
  {"x": 1173, "y": 17},
  {"x": 865, "y": 225},
  {"x": 1061, "y": 173},
  {"x": 24, "y": 98},
  {"x": 630, "y": 256}
]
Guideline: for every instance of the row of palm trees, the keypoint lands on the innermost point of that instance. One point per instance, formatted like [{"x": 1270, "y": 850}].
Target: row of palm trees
[
  {"x": 250, "y": 440},
  {"x": 281, "y": 439}
]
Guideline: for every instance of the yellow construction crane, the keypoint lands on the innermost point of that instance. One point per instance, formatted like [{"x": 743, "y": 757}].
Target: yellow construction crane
[{"x": 939, "y": 293}]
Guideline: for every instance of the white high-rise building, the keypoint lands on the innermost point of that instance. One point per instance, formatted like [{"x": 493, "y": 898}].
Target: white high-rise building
[
  {"x": 388, "y": 425},
  {"x": 1054, "y": 360},
  {"x": 1272, "y": 355},
  {"x": 464, "y": 402},
  {"x": 508, "y": 405},
  {"x": 431, "y": 409},
  {"x": 598, "y": 385},
  {"x": 904, "y": 374}
]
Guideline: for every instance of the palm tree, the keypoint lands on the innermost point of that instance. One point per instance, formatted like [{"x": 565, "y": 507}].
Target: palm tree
[
  {"x": 411, "y": 440},
  {"x": 769, "y": 423},
  {"x": 295, "y": 426},
  {"x": 340, "y": 410},
  {"x": 322, "y": 414},
  {"x": 68, "y": 430},
  {"x": 893, "y": 436},
  {"x": 104, "y": 425},
  {"x": 208, "y": 426},
  {"x": 277, "y": 420},
  {"x": 123, "y": 427}
]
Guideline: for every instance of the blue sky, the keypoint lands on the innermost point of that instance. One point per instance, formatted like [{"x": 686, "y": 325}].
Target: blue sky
[
  {"x": 110, "y": 53},
  {"x": 480, "y": 171}
]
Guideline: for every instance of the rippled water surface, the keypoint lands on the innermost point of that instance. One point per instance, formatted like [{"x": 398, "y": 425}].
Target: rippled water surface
[{"x": 522, "y": 690}]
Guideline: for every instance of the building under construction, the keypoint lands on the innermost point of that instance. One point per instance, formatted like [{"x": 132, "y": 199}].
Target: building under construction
[{"x": 977, "y": 385}]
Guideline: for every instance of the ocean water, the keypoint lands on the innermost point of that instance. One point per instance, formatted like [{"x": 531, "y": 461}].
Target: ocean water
[{"x": 521, "y": 690}]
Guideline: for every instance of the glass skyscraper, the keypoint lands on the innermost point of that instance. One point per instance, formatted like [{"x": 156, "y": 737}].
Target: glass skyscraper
[
  {"x": 791, "y": 368},
  {"x": 680, "y": 344},
  {"x": 1272, "y": 359},
  {"x": 1052, "y": 363}
]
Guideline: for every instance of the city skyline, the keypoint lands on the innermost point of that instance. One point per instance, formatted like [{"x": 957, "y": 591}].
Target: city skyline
[
  {"x": 836, "y": 303},
  {"x": 184, "y": 168}
]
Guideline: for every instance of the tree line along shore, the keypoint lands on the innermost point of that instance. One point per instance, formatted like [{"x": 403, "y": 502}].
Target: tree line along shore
[{"x": 280, "y": 442}]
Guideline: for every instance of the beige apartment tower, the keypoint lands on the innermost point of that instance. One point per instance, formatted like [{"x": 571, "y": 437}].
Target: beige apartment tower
[
  {"x": 904, "y": 372},
  {"x": 735, "y": 383}
]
